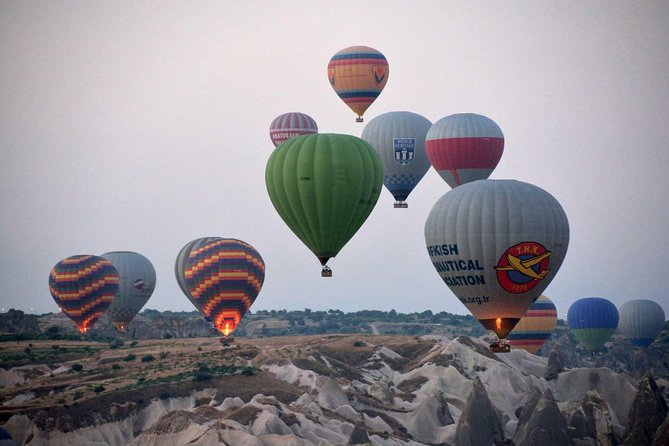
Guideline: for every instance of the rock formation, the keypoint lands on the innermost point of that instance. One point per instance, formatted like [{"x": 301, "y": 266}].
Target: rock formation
[
  {"x": 479, "y": 423},
  {"x": 648, "y": 412},
  {"x": 541, "y": 422}
]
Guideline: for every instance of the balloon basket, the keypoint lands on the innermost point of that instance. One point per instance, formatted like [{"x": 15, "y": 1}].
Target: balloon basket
[
  {"x": 500, "y": 346},
  {"x": 400, "y": 205},
  {"x": 227, "y": 340},
  {"x": 326, "y": 272},
  {"x": 358, "y": 119}
]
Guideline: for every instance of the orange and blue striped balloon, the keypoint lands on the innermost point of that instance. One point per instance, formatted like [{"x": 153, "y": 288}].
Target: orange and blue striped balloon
[
  {"x": 84, "y": 286},
  {"x": 224, "y": 277},
  {"x": 358, "y": 75},
  {"x": 535, "y": 327}
]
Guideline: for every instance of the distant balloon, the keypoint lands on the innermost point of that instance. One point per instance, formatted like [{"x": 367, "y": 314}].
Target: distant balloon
[
  {"x": 464, "y": 147},
  {"x": 290, "y": 125},
  {"x": 224, "y": 277},
  {"x": 535, "y": 327},
  {"x": 83, "y": 286},
  {"x": 358, "y": 74},
  {"x": 138, "y": 280},
  {"x": 497, "y": 244},
  {"x": 399, "y": 139},
  {"x": 324, "y": 186},
  {"x": 592, "y": 320},
  {"x": 641, "y": 320},
  {"x": 180, "y": 264}
]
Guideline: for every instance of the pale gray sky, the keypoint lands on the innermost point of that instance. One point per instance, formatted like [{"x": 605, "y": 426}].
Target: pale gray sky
[{"x": 141, "y": 125}]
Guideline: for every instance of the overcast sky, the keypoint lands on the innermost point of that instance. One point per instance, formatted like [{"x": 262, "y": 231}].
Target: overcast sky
[{"x": 141, "y": 125}]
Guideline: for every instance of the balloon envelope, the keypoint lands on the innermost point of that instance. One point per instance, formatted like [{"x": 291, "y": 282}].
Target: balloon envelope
[
  {"x": 535, "y": 327},
  {"x": 137, "y": 282},
  {"x": 289, "y": 125},
  {"x": 464, "y": 147},
  {"x": 592, "y": 320},
  {"x": 358, "y": 74},
  {"x": 497, "y": 244},
  {"x": 399, "y": 139},
  {"x": 324, "y": 186},
  {"x": 180, "y": 264},
  {"x": 83, "y": 286},
  {"x": 5, "y": 438},
  {"x": 224, "y": 278},
  {"x": 641, "y": 320}
]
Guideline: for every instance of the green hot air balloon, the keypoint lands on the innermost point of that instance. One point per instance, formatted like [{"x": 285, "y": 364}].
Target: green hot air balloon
[{"x": 324, "y": 186}]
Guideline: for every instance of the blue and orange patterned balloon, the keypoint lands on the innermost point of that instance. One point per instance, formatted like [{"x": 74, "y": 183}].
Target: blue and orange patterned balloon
[
  {"x": 358, "y": 75},
  {"x": 84, "y": 286},
  {"x": 224, "y": 277},
  {"x": 535, "y": 327}
]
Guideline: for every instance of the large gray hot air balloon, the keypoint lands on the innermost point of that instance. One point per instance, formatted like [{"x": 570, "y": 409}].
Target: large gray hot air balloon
[
  {"x": 138, "y": 280},
  {"x": 180, "y": 265},
  {"x": 497, "y": 244},
  {"x": 399, "y": 139},
  {"x": 641, "y": 320}
]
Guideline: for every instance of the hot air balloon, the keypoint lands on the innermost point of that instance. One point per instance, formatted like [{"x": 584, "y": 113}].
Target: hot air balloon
[
  {"x": 535, "y": 327},
  {"x": 83, "y": 286},
  {"x": 641, "y": 320},
  {"x": 464, "y": 147},
  {"x": 358, "y": 75},
  {"x": 180, "y": 264},
  {"x": 497, "y": 244},
  {"x": 289, "y": 125},
  {"x": 137, "y": 282},
  {"x": 399, "y": 139},
  {"x": 224, "y": 277},
  {"x": 592, "y": 320},
  {"x": 324, "y": 186}
]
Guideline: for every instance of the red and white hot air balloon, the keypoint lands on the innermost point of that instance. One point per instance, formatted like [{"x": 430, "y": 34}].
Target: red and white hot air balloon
[
  {"x": 464, "y": 147},
  {"x": 289, "y": 125}
]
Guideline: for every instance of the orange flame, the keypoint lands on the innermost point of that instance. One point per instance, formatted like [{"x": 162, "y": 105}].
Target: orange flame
[{"x": 499, "y": 323}]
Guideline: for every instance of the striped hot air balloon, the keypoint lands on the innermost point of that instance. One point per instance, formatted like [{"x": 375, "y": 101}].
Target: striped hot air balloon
[
  {"x": 358, "y": 74},
  {"x": 592, "y": 320},
  {"x": 180, "y": 264},
  {"x": 224, "y": 277},
  {"x": 464, "y": 147},
  {"x": 84, "y": 286},
  {"x": 535, "y": 327},
  {"x": 641, "y": 320},
  {"x": 289, "y": 125}
]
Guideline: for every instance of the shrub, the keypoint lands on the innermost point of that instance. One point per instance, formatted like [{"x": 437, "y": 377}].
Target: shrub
[
  {"x": 202, "y": 376},
  {"x": 99, "y": 388},
  {"x": 147, "y": 358},
  {"x": 163, "y": 355},
  {"x": 130, "y": 357},
  {"x": 358, "y": 344},
  {"x": 116, "y": 367},
  {"x": 77, "y": 394},
  {"x": 248, "y": 371},
  {"x": 76, "y": 367}
]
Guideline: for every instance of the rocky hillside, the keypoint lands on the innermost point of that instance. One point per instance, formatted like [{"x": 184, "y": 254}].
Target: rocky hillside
[{"x": 318, "y": 390}]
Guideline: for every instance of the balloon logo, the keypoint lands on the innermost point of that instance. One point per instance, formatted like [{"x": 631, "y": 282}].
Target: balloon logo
[
  {"x": 477, "y": 239},
  {"x": 522, "y": 267},
  {"x": 592, "y": 320},
  {"x": 137, "y": 282},
  {"x": 224, "y": 277},
  {"x": 641, "y": 320},
  {"x": 83, "y": 286},
  {"x": 464, "y": 147},
  {"x": 535, "y": 327},
  {"x": 399, "y": 139},
  {"x": 290, "y": 125},
  {"x": 358, "y": 74},
  {"x": 324, "y": 186}
]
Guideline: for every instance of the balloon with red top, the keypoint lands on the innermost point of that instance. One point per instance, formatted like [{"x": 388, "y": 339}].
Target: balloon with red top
[{"x": 289, "y": 125}]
